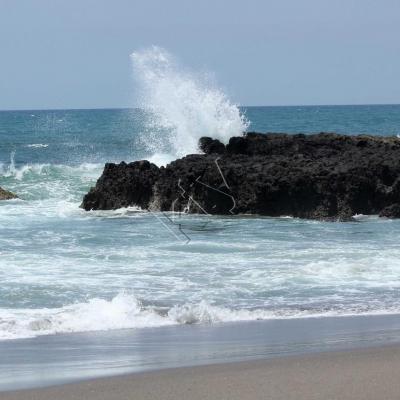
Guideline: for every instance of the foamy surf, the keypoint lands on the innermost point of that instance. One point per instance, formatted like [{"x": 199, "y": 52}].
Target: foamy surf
[
  {"x": 45, "y": 190},
  {"x": 62, "y": 268},
  {"x": 125, "y": 311},
  {"x": 37, "y": 145}
]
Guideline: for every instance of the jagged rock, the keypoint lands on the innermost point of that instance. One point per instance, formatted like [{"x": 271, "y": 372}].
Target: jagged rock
[
  {"x": 123, "y": 185},
  {"x": 6, "y": 195},
  {"x": 325, "y": 176},
  {"x": 211, "y": 146},
  {"x": 392, "y": 211}
]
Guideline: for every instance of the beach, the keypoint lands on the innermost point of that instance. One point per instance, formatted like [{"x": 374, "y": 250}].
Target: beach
[
  {"x": 95, "y": 296},
  {"x": 199, "y": 201},
  {"x": 60, "y": 360},
  {"x": 354, "y": 374}
]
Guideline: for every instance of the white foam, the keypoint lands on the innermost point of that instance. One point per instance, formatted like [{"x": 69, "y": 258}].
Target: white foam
[
  {"x": 19, "y": 173},
  {"x": 161, "y": 159},
  {"x": 125, "y": 311},
  {"x": 37, "y": 145},
  {"x": 364, "y": 217},
  {"x": 46, "y": 189},
  {"x": 122, "y": 312},
  {"x": 117, "y": 213},
  {"x": 183, "y": 106}
]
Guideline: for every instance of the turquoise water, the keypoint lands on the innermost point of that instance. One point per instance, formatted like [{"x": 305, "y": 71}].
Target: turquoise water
[
  {"x": 74, "y": 136},
  {"x": 65, "y": 270},
  {"x": 369, "y": 119}
]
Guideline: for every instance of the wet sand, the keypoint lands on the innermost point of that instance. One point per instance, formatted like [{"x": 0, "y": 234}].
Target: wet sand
[{"x": 353, "y": 374}]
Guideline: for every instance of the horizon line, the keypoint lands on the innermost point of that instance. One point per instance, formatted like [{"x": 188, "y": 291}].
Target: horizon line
[{"x": 240, "y": 106}]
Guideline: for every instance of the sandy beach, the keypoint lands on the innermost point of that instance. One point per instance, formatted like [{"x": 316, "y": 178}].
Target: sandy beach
[{"x": 355, "y": 374}]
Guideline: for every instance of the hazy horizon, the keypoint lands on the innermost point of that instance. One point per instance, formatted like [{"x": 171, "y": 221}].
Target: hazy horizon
[{"x": 241, "y": 106}]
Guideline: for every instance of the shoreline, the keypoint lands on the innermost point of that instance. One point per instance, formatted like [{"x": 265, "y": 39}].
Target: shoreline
[
  {"x": 47, "y": 361},
  {"x": 352, "y": 374}
]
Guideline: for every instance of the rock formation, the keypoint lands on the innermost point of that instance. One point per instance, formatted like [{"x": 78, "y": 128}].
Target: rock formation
[
  {"x": 324, "y": 176},
  {"x": 6, "y": 195}
]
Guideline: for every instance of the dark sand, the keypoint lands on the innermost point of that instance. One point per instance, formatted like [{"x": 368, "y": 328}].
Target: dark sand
[{"x": 361, "y": 374}]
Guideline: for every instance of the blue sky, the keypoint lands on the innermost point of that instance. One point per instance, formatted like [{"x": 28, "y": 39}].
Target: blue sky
[{"x": 75, "y": 53}]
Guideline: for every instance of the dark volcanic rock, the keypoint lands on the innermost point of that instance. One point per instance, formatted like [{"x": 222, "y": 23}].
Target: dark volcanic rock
[
  {"x": 392, "y": 211},
  {"x": 324, "y": 176},
  {"x": 123, "y": 185},
  {"x": 211, "y": 146},
  {"x": 6, "y": 195}
]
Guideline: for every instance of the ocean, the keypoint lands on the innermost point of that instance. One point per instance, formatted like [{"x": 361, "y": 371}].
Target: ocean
[
  {"x": 65, "y": 271},
  {"x": 86, "y": 294}
]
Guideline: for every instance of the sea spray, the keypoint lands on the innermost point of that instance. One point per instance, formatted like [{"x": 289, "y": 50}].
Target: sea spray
[{"x": 180, "y": 106}]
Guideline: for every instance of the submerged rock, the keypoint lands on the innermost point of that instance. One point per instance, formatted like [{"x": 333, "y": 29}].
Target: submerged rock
[
  {"x": 325, "y": 176},
  {"x": 6, "y": 195}
]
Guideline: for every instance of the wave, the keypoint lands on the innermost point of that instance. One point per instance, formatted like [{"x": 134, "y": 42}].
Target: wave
[
  {"x": 122, "y": 312},
  {"x": 20, "y": 172},
  {"x": 182, "y": 106},
  {"x": 49, "y": 181},
  {"x": 37, "y": 145},
  {"x": 125, "y": 311}
]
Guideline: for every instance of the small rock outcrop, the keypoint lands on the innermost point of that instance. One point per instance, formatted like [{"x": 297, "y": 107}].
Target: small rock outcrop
[
  {"x": 392, "y": 211},
  {"x": 123, "y": 185},
  {"x": 324, "y": 176},
  {"x": 6, "y": 195}
]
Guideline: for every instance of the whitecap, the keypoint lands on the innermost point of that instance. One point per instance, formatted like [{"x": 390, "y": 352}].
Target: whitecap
[
  {"x": 125, "y": 311},
  {"x": 37, "y": 145}
]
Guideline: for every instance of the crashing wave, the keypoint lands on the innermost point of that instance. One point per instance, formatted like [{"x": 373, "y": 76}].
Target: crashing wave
[
  {"x": 125, "y": 311},
  {"x": 181, "y": 106}
]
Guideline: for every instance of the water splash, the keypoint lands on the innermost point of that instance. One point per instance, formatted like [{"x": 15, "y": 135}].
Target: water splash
[
  {"x": 181, "y": 106},
  {"x": 12, "y": 169}
]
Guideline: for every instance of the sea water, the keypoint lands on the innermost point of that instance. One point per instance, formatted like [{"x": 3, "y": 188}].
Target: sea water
[{"x": 65, "y": 270}]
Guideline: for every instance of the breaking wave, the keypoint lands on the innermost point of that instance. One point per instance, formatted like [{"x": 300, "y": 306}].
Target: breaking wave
[
  {"x": 125, "y": 311},
  {"x": 122, "y": 312},
  {"x": 181, "y": 106},
  {"x": 37, "y": 145},
  {"x": 42, "y": 181}
]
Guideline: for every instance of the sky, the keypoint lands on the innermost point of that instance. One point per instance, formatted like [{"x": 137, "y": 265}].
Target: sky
[{"x": 75, "y": 53}]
